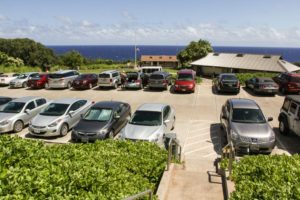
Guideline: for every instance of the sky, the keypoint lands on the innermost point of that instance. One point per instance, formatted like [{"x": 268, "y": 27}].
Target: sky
[{"x": 263, "y": 23}]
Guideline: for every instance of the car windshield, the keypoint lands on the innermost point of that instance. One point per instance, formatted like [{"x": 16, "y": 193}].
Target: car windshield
[
  {"x": 98, "y": 114},
  {"x": 13, "y": 107},
  {"x": 146, "y": 118},
  {"x": 244, "y": 115},
  {"x": 37, "y": 76},
  {"x": 22, "y": 76},
  {"x": 55, "y": 109},
  {"x": 185, "y": 77},
  {"x": 229, "y": 78}
]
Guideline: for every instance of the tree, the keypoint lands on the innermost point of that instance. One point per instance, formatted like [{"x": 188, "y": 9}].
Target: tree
[
  {"x": 31, "y": 52},
  {"x": 9, "y": 61},
  {"x": 194, "y": 51},
  {"x": 72, "y": 59}
]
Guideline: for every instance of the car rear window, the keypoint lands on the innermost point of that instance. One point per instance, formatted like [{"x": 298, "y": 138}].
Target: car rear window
[
  {"x": 132, "y": 76},
  {"x": 294, "y": 79},
  {"x": 286, "y": 104},
  {"x": 156, "y": 76},
  {"x": 104, "y": 76},
  {"x": 185, "y": 77},
  {"x": 56, "y": 75},
  {"x": 229, "y": 78}
]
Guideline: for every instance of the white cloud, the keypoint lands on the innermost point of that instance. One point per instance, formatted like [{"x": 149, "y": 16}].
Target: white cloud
[{"x": 69, "y": 31}]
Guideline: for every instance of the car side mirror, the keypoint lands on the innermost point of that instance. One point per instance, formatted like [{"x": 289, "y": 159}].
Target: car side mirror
[
  {"x": 117, "y": 116},
  {"x": 270, "y": 119},
  {"x": 71, "y": 113},
  {"x": 166, "y": 121},
  {"x": 27, "y": 111}
]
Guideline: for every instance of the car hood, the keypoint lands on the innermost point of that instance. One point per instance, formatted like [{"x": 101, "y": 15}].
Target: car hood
[
  {"x": 138, "y": 132},
  {"x": 252, "y": 130},
  {"x": 179, "y": 82},
  {"x": 89, "y": 126},
  {"x": 6, "y": 116},
  {"x": 42, "y": 120}
]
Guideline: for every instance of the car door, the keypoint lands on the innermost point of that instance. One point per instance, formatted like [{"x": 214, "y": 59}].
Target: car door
[
  {"x": 292, "y": 115},
  {"x": 297, "y": 122},
  {"x": 73, "y": 115},
  {"x": 29, "y": 111},
  {"x": 119, "y": 120}
]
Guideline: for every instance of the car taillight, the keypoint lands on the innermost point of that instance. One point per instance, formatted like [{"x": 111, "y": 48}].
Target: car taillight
[
  {"x": 165, "y": 81},
  {"x": 138, "y": 81},
  {"x": 84, "y": 82}
]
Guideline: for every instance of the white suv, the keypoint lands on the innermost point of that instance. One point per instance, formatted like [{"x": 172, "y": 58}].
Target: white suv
[{"x": 110, "y": 78}]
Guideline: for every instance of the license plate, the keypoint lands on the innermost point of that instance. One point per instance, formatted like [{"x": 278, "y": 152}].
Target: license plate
[
  {"x": 230, "y": 85},
  {"x": 36, "y": 130},
  {"x": 183, "y": 90},
  {"x": 84, "y": 139}
]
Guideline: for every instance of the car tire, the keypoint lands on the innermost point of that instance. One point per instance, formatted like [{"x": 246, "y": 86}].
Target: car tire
[
  {"x": 69, "y": 85},
  {"x": 283, "y": 126},
  {"x": 283, "y": 90},
  {"x": 90, "y": 86},
  {"x": 116, "y": 85},
  {"x": 111, "y": 134},
  {"x": 18, "y": 126},
  {"x": 63, "y": 129},
  {"x": 24, "y": 85}
]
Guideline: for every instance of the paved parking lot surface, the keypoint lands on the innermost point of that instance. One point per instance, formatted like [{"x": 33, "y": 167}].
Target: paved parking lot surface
[{"x": 197, "y": 128}]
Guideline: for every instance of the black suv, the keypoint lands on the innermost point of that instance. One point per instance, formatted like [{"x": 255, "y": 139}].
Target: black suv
[
  {"x": 227, "y": 83},
  {"x": 160, "y": 79},
  {"x": 289, "y": 117}
]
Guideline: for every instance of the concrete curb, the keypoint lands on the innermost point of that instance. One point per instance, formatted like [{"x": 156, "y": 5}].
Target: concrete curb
[{"x": 163, "y": 187}]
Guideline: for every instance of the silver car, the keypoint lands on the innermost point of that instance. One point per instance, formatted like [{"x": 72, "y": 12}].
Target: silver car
[
  {"x": 18, "y": 113},
  {"x": 111, "y": 78},
  {"x": 59, "y": 117},
  {"x": 246, "y": 126},
  {"x": 21, "y": 80},
  {"x": 61, "y": 79},
  {"x": 149, "y": 123}
]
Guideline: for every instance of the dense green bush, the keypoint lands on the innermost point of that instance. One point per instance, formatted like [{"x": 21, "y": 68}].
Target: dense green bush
[
  {"x": 267, "y": 177},
  {"x": 246, "y": 76},
  {"x": 103, "y": 170}
]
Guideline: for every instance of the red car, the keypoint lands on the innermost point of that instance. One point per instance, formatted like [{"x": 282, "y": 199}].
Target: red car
[
  {"x": 85, "y": 81},
  {"x": 288, "y": 82},
  {"x": 38, "y": 81},
  {"x": 186, "y": 81}
]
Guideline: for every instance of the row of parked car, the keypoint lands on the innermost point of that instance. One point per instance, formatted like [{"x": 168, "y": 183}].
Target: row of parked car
[
  {"x": 152, "y": 77},
  {"x": 88, "y": 121},
  {"x": 284, "y": 82}
]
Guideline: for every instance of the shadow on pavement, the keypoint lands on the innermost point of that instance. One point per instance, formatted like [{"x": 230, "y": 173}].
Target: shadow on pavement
[
  {"x": 252, "y": 93},
  {"x": 217, "y": 137},
  {"x": 289, "y": 142}
]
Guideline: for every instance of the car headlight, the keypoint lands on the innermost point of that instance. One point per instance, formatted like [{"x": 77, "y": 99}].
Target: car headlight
[
  {"x": 54, "y": 123},
  {"x": 154, "y": 138},
  {"x": 5, "y": 122},
  {"x": 234, "y": 135},
  {"x": 103, "y": 131}
]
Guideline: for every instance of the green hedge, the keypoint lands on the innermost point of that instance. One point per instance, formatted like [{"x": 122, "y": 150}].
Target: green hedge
[
  {"x": 103, "y": 170},
  {"x": 246, "y": 76},
  {"x": 267, "y": 177}
]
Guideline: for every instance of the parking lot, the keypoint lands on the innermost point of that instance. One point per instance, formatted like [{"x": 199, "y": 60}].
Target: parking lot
[{"x": 197, "y": 121}]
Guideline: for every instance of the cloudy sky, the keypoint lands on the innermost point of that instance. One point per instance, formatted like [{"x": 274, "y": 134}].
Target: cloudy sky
[{"x": 159, "y": 22}]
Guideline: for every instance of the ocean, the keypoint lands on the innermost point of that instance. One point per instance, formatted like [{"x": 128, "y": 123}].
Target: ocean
[{"x": 126, "y": 52}]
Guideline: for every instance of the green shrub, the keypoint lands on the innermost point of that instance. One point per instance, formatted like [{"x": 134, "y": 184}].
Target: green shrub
[
  {"x": 246, "y": 76},
  {"x": 267, "y": 177},
  {"x": 103, "y": 170}
]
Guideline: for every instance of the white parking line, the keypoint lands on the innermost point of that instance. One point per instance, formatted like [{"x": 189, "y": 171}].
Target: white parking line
[{"x": 199, "y": 149}]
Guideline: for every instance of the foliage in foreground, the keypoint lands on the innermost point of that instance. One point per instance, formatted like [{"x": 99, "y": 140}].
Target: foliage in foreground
[
  {"x": 267, "y": 177},
  {"x": 103, "y": 170},
  {"x": 246, "y": 76}
]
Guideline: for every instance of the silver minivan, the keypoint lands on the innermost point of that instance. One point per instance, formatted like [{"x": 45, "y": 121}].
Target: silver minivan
[
  {"x": 59, "y": 117},
  {"x": 17, "y": 113},
  {"x": 61, "y": 79},
  {"x": 111, "y": 78}
]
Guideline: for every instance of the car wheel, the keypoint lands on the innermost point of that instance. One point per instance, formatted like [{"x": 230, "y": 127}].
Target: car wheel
[
  {"x": 111, "y": 134},
  {"x": 69, "y": 85},
  {"x": 116, "y": 85},
  {"x": 283, "y": 127},
  {"x": 283, "y": 90},
  {"x": 64, "y": 129},
  {"x": 18, "y": 126},
  {"x": 24, "y": 85},
  {"x": 90, "y": 86}
]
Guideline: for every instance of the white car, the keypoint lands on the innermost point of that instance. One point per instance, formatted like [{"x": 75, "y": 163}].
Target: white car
[
  {"x": 6, "y": 78},
  {"x": 150, "y": 122}
]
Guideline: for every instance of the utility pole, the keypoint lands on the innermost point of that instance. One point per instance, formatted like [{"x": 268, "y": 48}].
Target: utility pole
[{"x": 135, "y": 50}]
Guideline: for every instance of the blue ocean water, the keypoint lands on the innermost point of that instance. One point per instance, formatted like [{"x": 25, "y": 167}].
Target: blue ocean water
[{"x": 122, "y": 53}]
